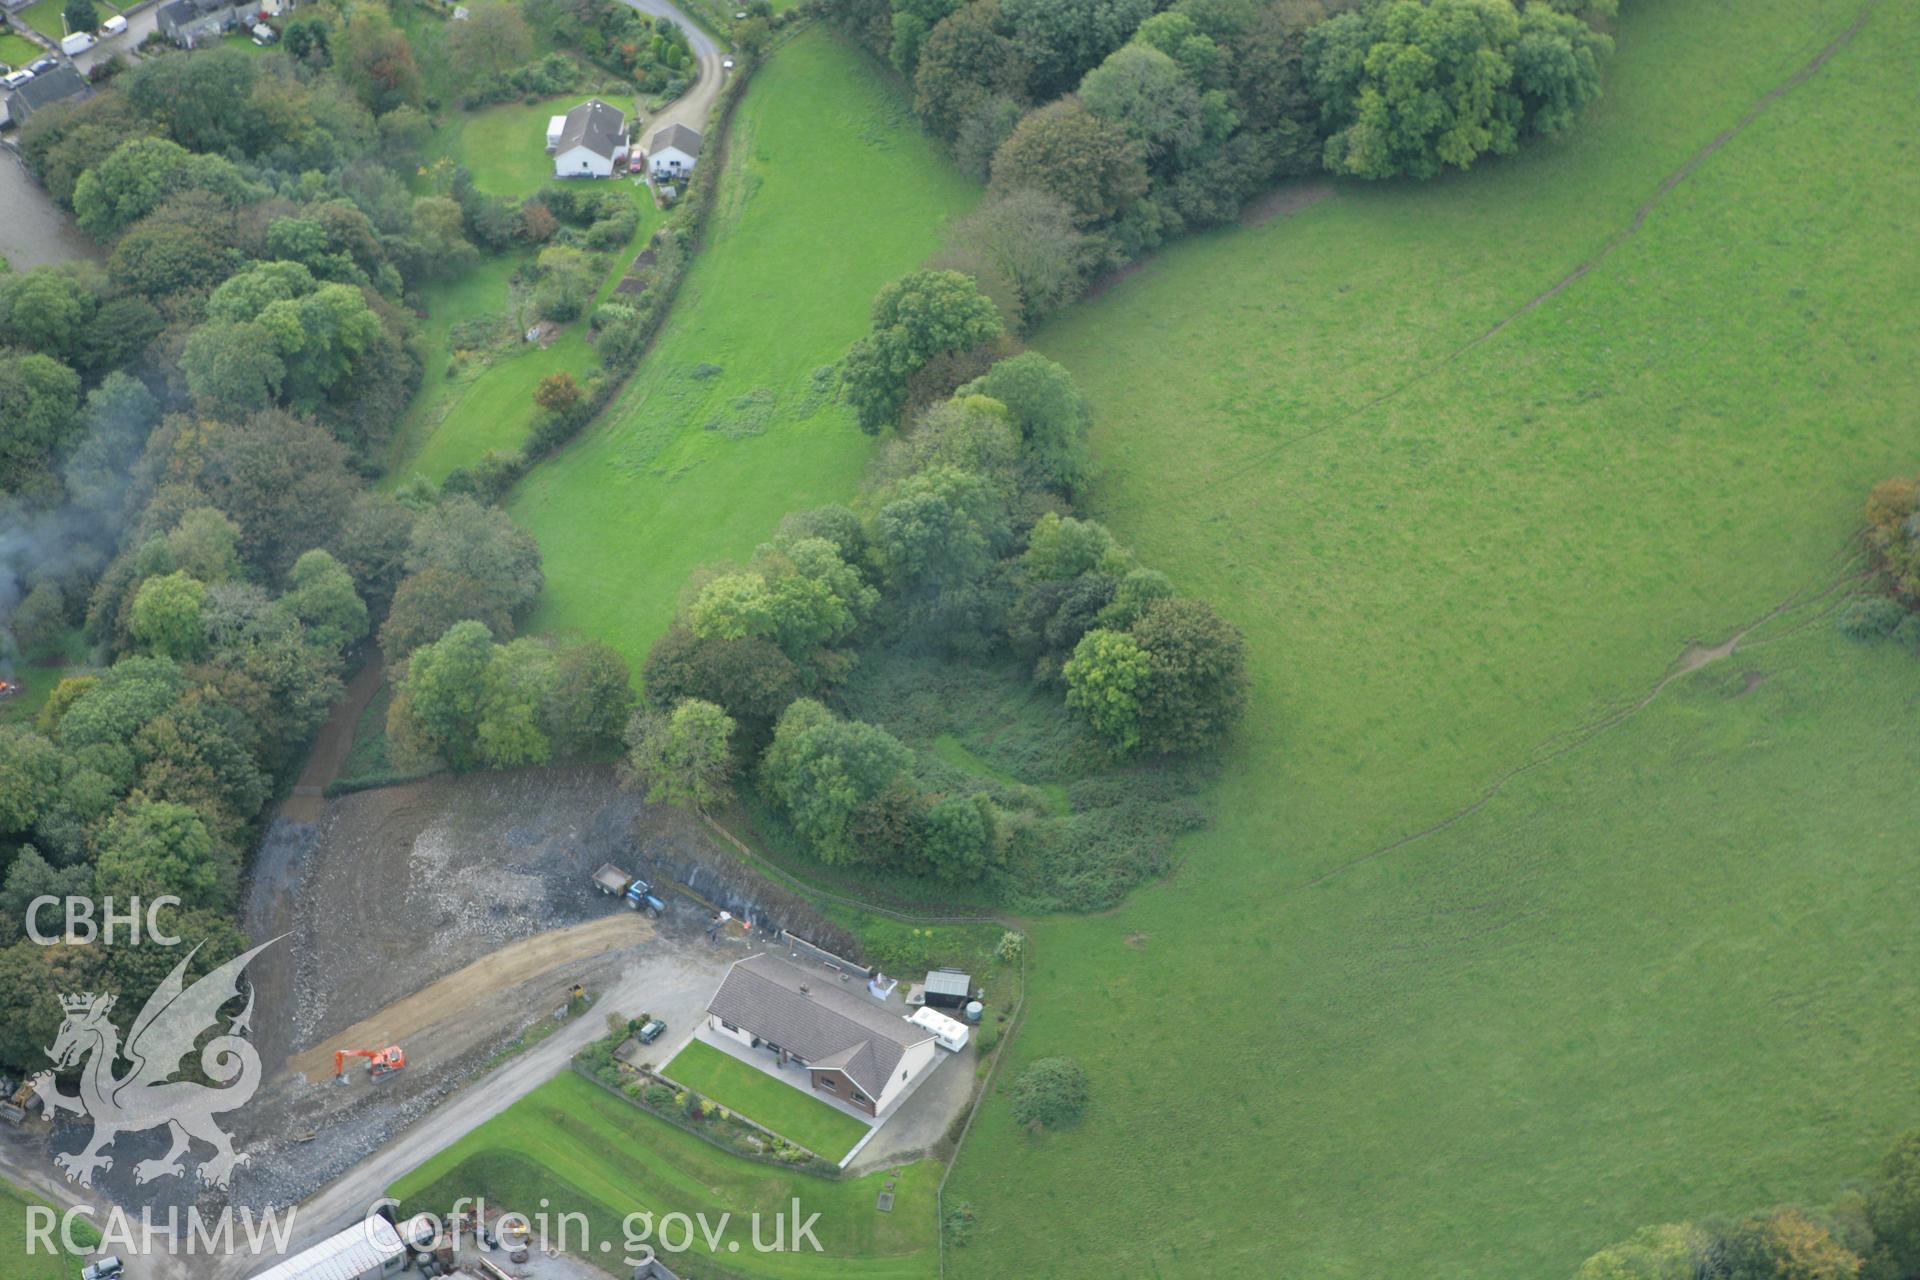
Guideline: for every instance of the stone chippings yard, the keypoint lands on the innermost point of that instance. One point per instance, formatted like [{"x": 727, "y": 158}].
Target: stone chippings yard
[{"x": 393, "y": 890}]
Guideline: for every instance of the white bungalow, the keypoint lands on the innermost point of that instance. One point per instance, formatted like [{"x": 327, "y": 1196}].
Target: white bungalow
[{"x": 591, "y": 143}]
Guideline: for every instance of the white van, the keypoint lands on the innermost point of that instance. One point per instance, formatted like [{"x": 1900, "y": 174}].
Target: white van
[
  {"x": 78, "y": 42},
  {"x": 114, "y": 26}
]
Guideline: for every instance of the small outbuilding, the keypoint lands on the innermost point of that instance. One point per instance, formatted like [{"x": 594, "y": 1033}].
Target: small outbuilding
[
  {"x": 948, "y": 989},
  {"x": 673, "y": 152}
]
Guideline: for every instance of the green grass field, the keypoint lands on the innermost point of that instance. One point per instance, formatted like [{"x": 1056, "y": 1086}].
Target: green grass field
[
  {"x": 488, "y": 404},
  {"x": 39, "y": 1265},
  {"x": 831, "y": 193},
  {"x": 505, "y": 146},
  {"x": 243, "y": 41},
  {"x": 453, "y": 420},
  {"x": 16, "y": 50},
  {"x": 765, "y": 1101},
  {"x": 583, "y": 1150},
  {"x": 1660, "y": 975},
  {"x": 46, "y": 18}
]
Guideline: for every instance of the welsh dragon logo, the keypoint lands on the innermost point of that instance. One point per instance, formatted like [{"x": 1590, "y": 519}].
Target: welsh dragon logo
[{"x": 146, "y": 1096}]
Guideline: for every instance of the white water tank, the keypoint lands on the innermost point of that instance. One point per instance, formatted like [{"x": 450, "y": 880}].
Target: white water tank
[{"x": 974, "y": 1010}]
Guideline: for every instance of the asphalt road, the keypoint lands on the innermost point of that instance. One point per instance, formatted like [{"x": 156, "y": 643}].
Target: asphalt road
[
  {"x": 691, "y": 107},
  {"x": 672, "y": 980}
]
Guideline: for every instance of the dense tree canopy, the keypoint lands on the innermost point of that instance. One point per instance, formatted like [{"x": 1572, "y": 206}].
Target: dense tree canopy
[
  {"x": 1412, "y": 86},
  {"x": 184, "y": 443},
  {"x": 1086, "y": 162},
  {"x": 467, "y": 702},
  {"x": 916, "y": 318},
  {"x": 683, "y": 757},
  {"x": 821, "y": 769},
  {"x": 133, "y": 179}
]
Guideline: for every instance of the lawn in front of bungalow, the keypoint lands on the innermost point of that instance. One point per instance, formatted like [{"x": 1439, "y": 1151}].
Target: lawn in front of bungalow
[
  {"x": 17, "y": 51},
  {"x": 769, "y": 1103},
  {"x": 572, "y": 1147},
  {"x": 48, "y": 17},
  {"x": 504, "y": 146}
]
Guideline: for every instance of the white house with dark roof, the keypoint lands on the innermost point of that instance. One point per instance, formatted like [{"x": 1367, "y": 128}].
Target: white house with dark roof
[
  {"x": 672, "y": 152},
  {"x": 592, "y": 140},
  {"x": 852, "y": 1047},
  {"x": 195, "y": 22}
]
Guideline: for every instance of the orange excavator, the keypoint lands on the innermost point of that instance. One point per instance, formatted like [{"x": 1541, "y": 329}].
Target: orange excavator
[{"x": 381, "y": 1063}]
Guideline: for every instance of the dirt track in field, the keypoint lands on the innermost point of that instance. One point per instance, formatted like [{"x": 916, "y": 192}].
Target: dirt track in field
[{"x": 331, "y": 746}]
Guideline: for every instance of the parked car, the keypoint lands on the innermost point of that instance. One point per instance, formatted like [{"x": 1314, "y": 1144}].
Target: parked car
[
  {"x": 654, "y": 1029},
  {"x": 637, "y": 161},
  {"x": 13, "y": 80},
  {"x": 114, "y": 26},
  {"x": 726, "y": 64},
  {"x": 44, "y": 65},
  {"x": 105, "y": 1269}
]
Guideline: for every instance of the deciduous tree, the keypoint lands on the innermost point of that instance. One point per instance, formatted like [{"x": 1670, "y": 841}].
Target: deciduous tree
[
  {"x": 821, "y": 769},
  {"x": 1197, "y": 689},
  {"x": 166, "y": 616},
  {"x": 320, "y": 593},
  {"x": 963, "y": 63},
  {"x": 1087, "y": 163},
  {"x": 153, "y": 848},
  {"x": 916, "y": 318},
  {"x": 1108, "y": 679},
  {"x": 1051, "y": 413},
  {"x": 684, "y": 757},
  {"x": 1024, "y": 250}
]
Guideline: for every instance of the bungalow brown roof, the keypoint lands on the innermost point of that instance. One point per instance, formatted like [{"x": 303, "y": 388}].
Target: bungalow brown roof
[{"x": 825, "y": 1025}]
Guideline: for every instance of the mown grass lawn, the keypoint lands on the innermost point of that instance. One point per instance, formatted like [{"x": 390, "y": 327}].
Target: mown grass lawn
[
  {"x": 38, "y": 1265},
  {"x": 16, "y": 50},
  {"x": 1662, "y": 975},
  {"x": 46, "y": 17},
  {"x": 243, "y": 41},
  {"x": 765, "y": 1101},
  {"x": 459, "y": 414},
  {"x": 831, "y": 192},
  {"x": 582, "y": 1150},
  {"x": 504, "y": 146}
]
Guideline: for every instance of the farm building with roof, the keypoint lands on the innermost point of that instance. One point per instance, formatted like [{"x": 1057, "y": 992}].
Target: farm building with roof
[{"x": 852, "y": 1048}]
